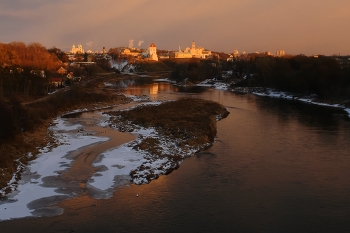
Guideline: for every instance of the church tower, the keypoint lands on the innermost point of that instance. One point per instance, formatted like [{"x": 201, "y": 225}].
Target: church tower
[
  {"x": 153, "y": 52},
  {"x": 78, "y": 49},
  {"x": 73, "y": 49},
  {"x": 193, "y": 49}
]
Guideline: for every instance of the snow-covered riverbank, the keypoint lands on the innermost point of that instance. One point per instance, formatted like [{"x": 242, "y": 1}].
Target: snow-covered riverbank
[
  {"x": 305, "y": 99},
  {"x": 270, "y": 93},
  {"x": 53, "y": 162}
]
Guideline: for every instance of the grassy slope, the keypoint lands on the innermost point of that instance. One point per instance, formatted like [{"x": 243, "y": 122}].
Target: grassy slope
[
  {"x": 152, "y": 66},
  {"x": 173, "y": 62}
]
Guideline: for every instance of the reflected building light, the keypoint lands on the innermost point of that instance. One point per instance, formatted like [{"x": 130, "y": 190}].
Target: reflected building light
[{"x": 154, "y": 89}]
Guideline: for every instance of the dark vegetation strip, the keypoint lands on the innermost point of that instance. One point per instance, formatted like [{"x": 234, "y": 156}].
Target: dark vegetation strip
[{"x": 322, "y": 76}]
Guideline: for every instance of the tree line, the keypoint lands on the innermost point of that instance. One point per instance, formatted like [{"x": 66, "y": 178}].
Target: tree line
[
  {"x": 322, "y": 76},
  {"x": 23, "y": 68},
  {"x": 194, "y": 69}
]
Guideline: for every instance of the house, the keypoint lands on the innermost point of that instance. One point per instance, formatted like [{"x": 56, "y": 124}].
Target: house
[
  {"x": 62, "y": 70},
  {"x": 55, "y": 82},
  {"x": 230, "y": 58},
  {"x": 164, "y": 56},
  {"x": 128, "y": 52},
  {"x": 40, "y": 73},
  {"x": 70, "y": 75},
  {"x": 280, "y": 53}
]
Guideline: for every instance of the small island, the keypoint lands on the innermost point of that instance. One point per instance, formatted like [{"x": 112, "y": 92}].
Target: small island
[{"x": 178, "y": 129}]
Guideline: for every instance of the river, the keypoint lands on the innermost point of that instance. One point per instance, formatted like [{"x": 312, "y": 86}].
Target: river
[{"x": 277, "y": 166}]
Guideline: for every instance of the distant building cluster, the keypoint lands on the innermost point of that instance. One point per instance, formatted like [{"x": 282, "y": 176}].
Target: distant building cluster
[
  {"x": 190, "y": 52},
  {"x": 280, "y": 53},
  {"x": 78, "y": 49},
  {"x": 193, "y": 52},
  {"x": 130, "y": 52},
  {"x": 150, "y": 53},
  {"x": 343, "y": 61},
  {"x": 237, "y": 55}
]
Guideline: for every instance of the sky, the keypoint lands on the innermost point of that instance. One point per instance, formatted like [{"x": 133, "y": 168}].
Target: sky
[{"x": 295, "y": 26}]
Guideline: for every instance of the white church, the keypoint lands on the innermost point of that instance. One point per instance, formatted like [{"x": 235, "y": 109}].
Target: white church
[
  {"x": 78, "y": 49},
  {"x": 193, "y": 52},
  {"x": 151, "y": 53}
]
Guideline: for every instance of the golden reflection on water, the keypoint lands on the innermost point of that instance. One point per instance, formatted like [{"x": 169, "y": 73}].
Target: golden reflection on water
[
  {"x": 152, "y": 90},
  {"x": 84, "y": 212}
]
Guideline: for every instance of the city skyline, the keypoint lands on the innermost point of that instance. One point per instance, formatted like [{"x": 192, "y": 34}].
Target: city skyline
[{"x": 308, "y": 27}]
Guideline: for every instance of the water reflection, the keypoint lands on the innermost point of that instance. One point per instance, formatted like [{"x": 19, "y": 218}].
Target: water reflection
[
  {"x": 313, "y": 116},
  {"x": 155, "y": 89}
]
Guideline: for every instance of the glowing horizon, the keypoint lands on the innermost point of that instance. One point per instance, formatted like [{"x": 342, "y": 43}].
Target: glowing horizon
[{"x": 307, "y": 27}]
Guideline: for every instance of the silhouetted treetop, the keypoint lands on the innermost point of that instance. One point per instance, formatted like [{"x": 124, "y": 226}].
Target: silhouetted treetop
[{"x": 32, "y": 56}]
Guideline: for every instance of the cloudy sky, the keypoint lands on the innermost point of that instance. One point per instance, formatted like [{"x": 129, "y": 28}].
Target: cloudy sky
[{"x": 296, "y": 26}]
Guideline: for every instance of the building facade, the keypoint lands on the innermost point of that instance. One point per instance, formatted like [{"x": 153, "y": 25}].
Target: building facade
[
  {"x": 78, "y": 49},
  {"x": 193, "y": 52},
  {"x": 153, "y": 52},
  {"x": 280, "y": 53}
]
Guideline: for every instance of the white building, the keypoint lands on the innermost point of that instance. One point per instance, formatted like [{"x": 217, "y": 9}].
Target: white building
[
  {"x": 193, "y": 52},
  {"x": 152, "y": 49},
  {"x": 280, "y": 53},
  {"x": 78, "y": 49}
]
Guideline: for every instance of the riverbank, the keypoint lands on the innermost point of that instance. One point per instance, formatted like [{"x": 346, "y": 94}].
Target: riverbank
[
  {"x": 345, "y": 105},
  {"x": 62, "y": 171},
  {"x": 26, "y": 144},
  {"x": 269, "y": 92}
]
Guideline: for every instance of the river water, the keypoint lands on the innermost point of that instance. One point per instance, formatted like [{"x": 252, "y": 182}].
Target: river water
[{"x": 277, "y": 166}]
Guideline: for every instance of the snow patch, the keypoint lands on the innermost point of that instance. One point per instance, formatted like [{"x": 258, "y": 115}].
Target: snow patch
[
  {"x": 285, "y": 95},
  {"x": 48, "y": 163},
  {"x": 119, "y": 161},
  {"x": 214, "y": 84},
  {"x": 348, "y": 111},
  {"x": 118, "y": 65}
]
